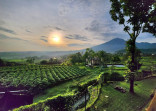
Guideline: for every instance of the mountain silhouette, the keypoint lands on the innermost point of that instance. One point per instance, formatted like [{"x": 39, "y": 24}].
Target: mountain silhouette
[{"x": 119, "y": 44}]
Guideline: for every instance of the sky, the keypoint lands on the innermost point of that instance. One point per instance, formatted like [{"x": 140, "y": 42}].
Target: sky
[{"x": 58, "y": 25}]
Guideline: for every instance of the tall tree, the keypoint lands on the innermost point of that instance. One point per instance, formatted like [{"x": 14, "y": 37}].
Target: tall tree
[
  {"x": 76, "y": 58},
  {"x": 103, "y": 56},
  {"x": 89, "y": 55},
  {"x": 136, "y": 16}
]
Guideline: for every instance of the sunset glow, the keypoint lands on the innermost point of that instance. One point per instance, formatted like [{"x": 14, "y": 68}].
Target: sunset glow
[{"x": 56, "y": 39}]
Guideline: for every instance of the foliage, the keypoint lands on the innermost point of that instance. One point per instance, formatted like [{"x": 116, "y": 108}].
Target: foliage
[
  {"x": 116, "y": 77},
  {"x": 43, "y": 62},
  {"x": 76, "y": 58},
  {"x": 88, "y": 56},
  {"x": 53, "y": 61},
  {"x": 30, "y": 60},
  {"x": 37, "y": 77},
  {"x": 135, "y": 16},
  {"x": 2, "y": 62},
  {"x": 116, "y": 59},
  {"x": 57, "y": 103},
  {"x": 106, "y": 77},
  {"x": 94, "y": 92},
  {"x": 104, "y": 57},
  {"x": 135, "y": 64}
]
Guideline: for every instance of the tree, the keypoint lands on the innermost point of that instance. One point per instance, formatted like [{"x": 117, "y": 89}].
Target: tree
[
  {"x": 136, "y": 16},
  {"x": 76, "y": 58},
  {"x": 89, "y": 55},
  {"x": 43, "y": 62},
  {"x": 51, "y": 60},
  {"x": 2, "y": 62},
  {"x": 30, "y": 60},
  {"x": 101, "y": 55},
  {"x": 54, "y": 60},
  {"x": 116, "y": 59}
]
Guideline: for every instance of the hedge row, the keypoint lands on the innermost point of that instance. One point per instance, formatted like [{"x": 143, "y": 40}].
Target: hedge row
[{"x": 56, "y": 103}]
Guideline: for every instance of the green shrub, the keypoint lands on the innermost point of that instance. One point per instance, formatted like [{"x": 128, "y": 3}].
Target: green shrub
[{"x": 116, "y": 77}]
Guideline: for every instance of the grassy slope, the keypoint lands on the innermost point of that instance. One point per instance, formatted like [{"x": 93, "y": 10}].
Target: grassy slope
[
  {"x": 117, "y": 101},
  {"x": 65, "y": 87}
]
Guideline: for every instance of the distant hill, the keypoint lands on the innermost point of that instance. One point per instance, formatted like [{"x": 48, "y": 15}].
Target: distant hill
[
  {"x": 41, "y": 54},
  {"x": 119, "y": 44},
  {"x": 144, "y": 51},
  {"x": 111, "y": 46}
]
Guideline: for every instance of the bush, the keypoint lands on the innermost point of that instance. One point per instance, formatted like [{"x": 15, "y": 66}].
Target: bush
[
  {"x": 44, "y": 62},
  {"x": 106, "y": 77},
  {"x": 116, "y": 77},
  {"x": 56, "y": 103}
]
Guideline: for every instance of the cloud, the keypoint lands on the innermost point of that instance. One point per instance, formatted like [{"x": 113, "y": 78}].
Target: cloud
[
  {"x": 79, "y": 45},
  {"x": 115, "y": 35},
  {"x": 28, "y": 31},
  {"x": 7, "y": 30},
  {"x": 99, "y": 26},
  {"x": 74, "y": 45},
  {"x": 63, "y": 9},
  {"x": 2, "y": 36},
  {"x": 77, "y": 37},
  {"x": 94, "y": 26},
  {"x": 2, "y": 22},
  {"x": 109, "y": 36},
  {"x": 44, "y": 40},
  {"x": 44, "y": 36},
  {"x": 57, "y": 28}
]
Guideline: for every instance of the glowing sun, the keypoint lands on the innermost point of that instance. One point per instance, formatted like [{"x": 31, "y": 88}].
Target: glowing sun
[{"x": 56, "y": 39}]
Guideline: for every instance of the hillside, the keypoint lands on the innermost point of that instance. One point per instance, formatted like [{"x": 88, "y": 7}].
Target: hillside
[
  {"x": 119, "y": 44},
  {"x": 111, "y": 46}
]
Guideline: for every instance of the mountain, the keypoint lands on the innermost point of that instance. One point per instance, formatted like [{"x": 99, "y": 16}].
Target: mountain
[
  {"x": 119, "y": 44},
  {"x": 111, "y": 46}
]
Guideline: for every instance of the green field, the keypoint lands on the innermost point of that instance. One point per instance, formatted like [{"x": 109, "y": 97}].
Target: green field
[
  {"x": 37, "y": 76},
  {"x": 112, "y": 100},
  {"x": 66, "y": 86},
  {"x": 56, "y": 80}
]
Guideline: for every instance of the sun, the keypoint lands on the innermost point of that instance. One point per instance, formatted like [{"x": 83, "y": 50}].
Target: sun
[{"x": 56, "y": 39}]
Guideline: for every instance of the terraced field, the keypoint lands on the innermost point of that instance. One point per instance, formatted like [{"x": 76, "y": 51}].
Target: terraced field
[{"x": 40, "y": 76}]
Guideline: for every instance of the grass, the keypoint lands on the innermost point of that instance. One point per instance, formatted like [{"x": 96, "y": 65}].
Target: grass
[
  {"x": 16, "y": 60},
  {"x": 113, "y": 100},
  {"x": 50, "y": 92},
  {"x": 65, "y": 87}
]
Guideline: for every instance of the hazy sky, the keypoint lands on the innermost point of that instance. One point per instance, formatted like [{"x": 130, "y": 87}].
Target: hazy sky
[{"x": 54, "y": 25}]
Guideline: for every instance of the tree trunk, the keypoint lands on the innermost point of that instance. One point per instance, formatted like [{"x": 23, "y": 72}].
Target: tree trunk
[
  {"x": 131, "y": 89},
  {"x": 133, "y": 49}
]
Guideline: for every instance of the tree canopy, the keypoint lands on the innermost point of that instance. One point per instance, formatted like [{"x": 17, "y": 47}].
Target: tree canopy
[{"x": 136, "y": 16}]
